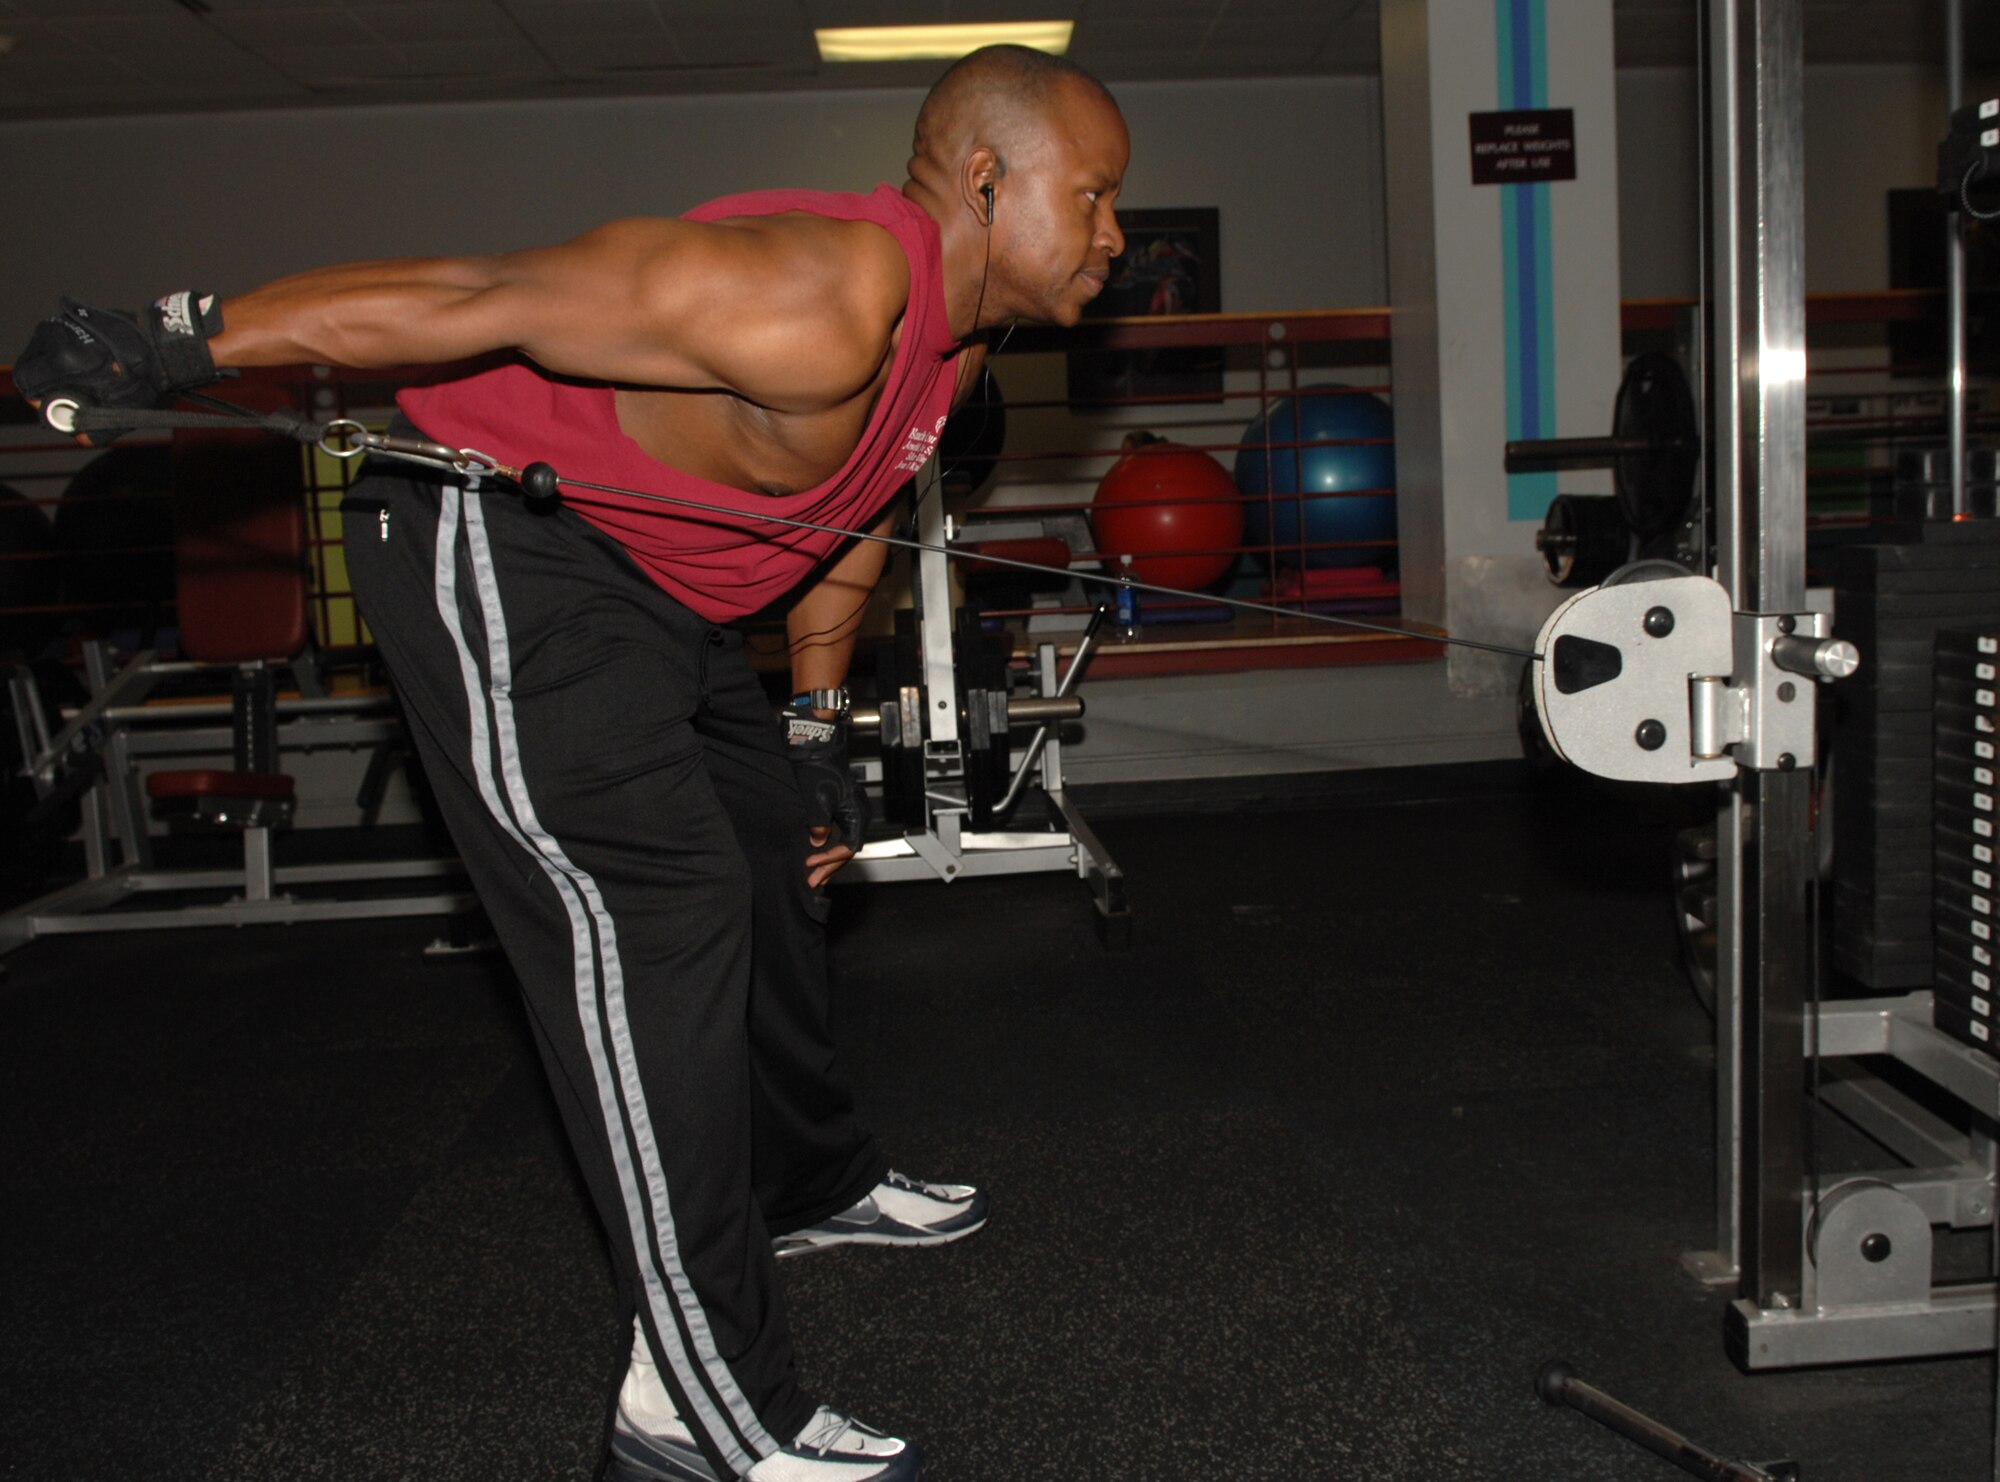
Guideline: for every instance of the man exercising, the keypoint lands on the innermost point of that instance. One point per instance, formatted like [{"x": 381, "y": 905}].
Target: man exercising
[{"x": 649, "y": 847}]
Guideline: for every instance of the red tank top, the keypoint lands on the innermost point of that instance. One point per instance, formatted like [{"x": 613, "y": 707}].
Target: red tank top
[{"x": 722, "y": 566}]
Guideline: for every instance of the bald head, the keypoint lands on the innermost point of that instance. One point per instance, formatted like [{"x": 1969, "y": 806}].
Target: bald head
[{"x": 1000, "y": 97}]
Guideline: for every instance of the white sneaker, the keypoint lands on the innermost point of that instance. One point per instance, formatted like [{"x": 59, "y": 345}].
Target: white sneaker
[
  {"x": 670, "y": 1455},
  {"x": 651, "y": 1443},
  {"x": 898, "y": 1211},
  {"x": 836, "y": 1448},
  {"x": 649, "y": 1440}
]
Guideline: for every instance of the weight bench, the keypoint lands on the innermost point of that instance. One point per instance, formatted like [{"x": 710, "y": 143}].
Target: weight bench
[
  {"x": 240, "y": 569},
  {"x": 240, "y": 549}
]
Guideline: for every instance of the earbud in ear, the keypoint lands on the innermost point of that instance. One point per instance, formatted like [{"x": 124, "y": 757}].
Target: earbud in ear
[{"x": 987, "y": 191}]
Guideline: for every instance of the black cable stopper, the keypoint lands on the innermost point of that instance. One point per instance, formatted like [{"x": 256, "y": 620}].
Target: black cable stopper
[{"x": 539, "y": 481}]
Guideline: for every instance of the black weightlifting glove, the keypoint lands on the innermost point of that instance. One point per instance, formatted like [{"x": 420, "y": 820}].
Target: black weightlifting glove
[
  {"x": 105, "y": 358},
  {"x": 819, "y": 760}
]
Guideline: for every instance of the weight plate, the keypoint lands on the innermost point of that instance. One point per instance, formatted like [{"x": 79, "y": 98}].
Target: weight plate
[
  {"x": 898, "y": 688},
  {"x": 1964, "y": 1027},
  {"x": 1582, "y": 540},
  {"x": 1655, "y": 487},
  {"x": 980, "y": 663}
]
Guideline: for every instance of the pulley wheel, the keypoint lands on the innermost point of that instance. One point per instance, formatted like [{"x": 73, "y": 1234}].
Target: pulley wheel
[{"x": 1654, "y": 404}]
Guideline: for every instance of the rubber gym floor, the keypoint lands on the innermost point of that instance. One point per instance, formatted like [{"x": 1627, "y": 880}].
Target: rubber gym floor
[{"x": 1400, "y": 1092}]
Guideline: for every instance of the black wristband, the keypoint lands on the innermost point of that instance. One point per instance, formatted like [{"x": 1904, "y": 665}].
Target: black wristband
[
  {"x": 179, "y": 326},
  {"x": 818, "y": 752}
]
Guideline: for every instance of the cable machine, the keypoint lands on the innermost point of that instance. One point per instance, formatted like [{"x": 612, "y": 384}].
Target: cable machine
[{"x": 1668, "y": 677}]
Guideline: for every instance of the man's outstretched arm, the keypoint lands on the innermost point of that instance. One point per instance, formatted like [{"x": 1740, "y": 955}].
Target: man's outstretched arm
[{"x": 791, "y": 313}]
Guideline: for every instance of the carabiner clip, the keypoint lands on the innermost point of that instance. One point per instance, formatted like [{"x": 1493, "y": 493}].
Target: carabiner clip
[{"x": 347, "y": 438}]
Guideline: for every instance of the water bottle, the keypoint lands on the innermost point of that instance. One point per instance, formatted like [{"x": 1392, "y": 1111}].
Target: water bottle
[{"x": 1127, "y": 612}]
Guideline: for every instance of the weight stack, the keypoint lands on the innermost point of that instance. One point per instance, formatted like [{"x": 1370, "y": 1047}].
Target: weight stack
[
  {"x": 1967, "y": 781},
  {"x": 1922, "y": 487},
  {"x": 1891, "y": 602}
]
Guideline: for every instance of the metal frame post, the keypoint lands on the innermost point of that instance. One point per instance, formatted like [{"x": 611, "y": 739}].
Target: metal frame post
[
  {"x": 1954, "y": 274},
  {"x": 1721, "y": 275},
  {"x": 1756, "y": 378}
]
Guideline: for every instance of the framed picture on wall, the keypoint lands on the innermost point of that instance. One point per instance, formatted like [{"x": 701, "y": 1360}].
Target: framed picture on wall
[{"x": 1171, "y": 265}]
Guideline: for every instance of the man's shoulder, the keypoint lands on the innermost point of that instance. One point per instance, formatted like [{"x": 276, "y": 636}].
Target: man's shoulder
[
  {"x": 883, "y": 205},
  {"x": 854, "y": 266}
]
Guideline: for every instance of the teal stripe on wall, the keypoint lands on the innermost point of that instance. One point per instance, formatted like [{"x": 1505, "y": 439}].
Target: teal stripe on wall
[{"x": 1521, "y": 36}]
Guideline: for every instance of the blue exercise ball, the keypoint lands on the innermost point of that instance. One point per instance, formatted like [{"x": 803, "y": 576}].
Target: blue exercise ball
[{"x": 1332, "y": 425}]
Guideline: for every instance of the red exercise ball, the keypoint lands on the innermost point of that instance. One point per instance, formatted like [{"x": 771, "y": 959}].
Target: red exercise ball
[{"x": 1163, "y": 497}]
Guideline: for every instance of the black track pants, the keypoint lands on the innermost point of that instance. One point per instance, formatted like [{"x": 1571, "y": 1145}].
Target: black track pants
[{"x": 617, "y": 786}]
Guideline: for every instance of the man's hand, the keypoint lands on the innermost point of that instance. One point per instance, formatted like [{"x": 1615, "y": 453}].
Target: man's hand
[
  {"x": 105, "y": 358},
  {"x": 836, "y": 809}
]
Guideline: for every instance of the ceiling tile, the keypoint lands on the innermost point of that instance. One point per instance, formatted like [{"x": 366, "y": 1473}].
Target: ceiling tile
[
  {"x": 207, "y": 79},
  {"x": 1307, "y": 16},
  {"x": 881, "y": 13},
  {"x": 739, "y": 46},
  {"x": 566, "y": 18},
  {"x": 506, "y": 60},
  {"x": 318, "y": 26},
  {"x": 436, "y": 20},
  {"x": 1134, "y": 12},
  {"x": 56, "y": 10},
  {"x": 74, "y": 89},
  {"x": 363, "y": 62},
  {"x": 1257, "y": 56},
  {"x": 772, "y": 13},
  {"x": 1008, "y": 10},
  {"x": 171, "y": 29},
  {"x": 584, "y": 54},
  {"x": 1108, "y": 38},
  {"x": 1255, "y": 33},
  {"x": 44, "y": 48}
]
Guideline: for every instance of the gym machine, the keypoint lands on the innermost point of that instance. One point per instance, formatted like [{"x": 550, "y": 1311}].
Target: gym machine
[
  {"x": 945, "y": 720},
  {"x": 1664, "y": 676},
  {"x": 1654, "y": 453},
  {"x": 240, "y": 549},
  {"x": 94, "y": 756}
]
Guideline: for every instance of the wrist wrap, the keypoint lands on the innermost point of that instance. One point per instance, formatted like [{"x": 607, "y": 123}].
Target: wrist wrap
[
  {"x": 179, "y": 326},
  {"x": 818, "y": 752}
]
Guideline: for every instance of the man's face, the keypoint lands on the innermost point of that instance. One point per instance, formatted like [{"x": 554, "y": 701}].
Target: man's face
[{"x": 1054, "y": 209}]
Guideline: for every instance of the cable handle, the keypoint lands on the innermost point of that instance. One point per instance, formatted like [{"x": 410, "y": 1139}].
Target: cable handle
[
  {"x": 1557, "y": 1384},
  {"x": 72, "y": 417}
]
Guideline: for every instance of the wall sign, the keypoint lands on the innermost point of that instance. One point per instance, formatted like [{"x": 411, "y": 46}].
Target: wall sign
[{"x": 1523, "y": 146}]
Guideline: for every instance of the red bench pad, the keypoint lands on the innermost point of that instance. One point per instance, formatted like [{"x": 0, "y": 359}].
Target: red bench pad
[{"x": 272, "y": 785}]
